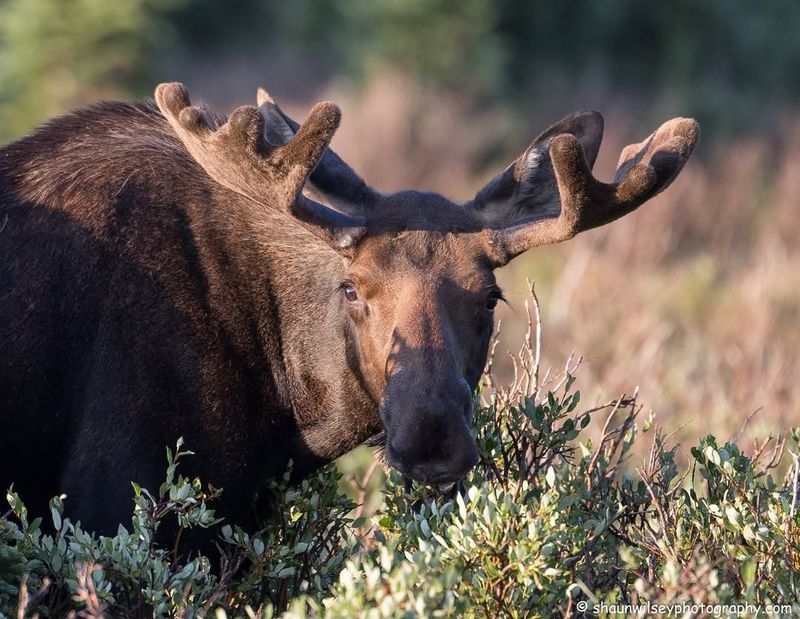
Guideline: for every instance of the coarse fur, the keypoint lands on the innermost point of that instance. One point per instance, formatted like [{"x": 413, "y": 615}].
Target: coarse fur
[{"x": 141, "y": 302}]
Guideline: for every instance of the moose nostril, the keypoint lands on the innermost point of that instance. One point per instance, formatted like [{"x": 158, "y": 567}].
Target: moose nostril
[
  {"x": 438, "y": 472},
  {"x": 451, "y": 465},
  {"x": 431, "y": 441}
]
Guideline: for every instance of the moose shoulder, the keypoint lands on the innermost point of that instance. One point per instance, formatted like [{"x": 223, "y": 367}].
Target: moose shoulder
[{"x": 163, "y": 274}]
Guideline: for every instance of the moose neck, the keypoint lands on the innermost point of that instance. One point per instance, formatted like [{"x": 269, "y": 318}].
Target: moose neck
[{"x": 306, "y": 337}]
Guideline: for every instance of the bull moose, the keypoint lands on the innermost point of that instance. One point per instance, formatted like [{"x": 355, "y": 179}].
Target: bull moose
[{"x": 163, "y": 274}]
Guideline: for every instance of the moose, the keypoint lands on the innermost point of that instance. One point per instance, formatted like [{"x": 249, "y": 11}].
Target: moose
[{"x": 166, "y": 272}]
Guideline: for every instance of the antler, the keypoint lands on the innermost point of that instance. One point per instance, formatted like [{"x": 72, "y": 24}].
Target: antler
[
  {"x": 332, "y": 179},
  {"x": 237, "y": 156},
  {"x": 644, "y": 170}
]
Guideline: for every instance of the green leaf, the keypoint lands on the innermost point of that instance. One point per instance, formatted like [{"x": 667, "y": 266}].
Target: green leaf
[
  {"x": 386, "y": 522},
  {"x": 574, "y": 403},
  {"x": 748, "y": 572},
  {"x": 258, "y": 546},
  {"x": 550, "y": 477},
  {"x": 56, "y": 515}
]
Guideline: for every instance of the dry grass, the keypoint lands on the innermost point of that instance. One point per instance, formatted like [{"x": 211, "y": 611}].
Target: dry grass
[{"x": 695, "y": 298}]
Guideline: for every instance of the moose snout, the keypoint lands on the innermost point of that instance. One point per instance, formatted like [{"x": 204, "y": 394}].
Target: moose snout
[
  {"x": 447, "y": 470},
  {"x": 433, "y": 443},
  {"x": 457, "y": 455}
]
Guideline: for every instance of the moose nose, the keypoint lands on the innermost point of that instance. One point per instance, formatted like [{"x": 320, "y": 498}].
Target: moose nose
[
  {"x": 428, "y": 437},
  {"x": 434, "y": 459},
  {"x": 446, "y": 471}
]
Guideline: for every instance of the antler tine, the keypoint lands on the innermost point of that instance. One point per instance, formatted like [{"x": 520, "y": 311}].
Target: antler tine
[
  {"x": 190, "y": 122},
  {"x": 237, "y": 156},
  {"x": 238, "y": 143},
  {"x": 302, "y": 154},
  {"x": 645, "y": 169},
  {"x": 333, "y": 180}
]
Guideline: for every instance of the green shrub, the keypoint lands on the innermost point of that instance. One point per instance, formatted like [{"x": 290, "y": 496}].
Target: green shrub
[
  {"x": 550, "y": 523},
  {"x": 300, "y": 552}
]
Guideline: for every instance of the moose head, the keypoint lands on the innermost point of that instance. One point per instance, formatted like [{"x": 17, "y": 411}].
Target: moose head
[{"x": 414, "y": 274}]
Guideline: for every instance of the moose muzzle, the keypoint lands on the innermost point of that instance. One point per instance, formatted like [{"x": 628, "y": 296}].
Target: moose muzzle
[{"x": 429, "y": 439}]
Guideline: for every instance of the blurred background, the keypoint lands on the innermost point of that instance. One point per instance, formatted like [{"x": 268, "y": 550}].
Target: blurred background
[{"x": 695, "y": 298}]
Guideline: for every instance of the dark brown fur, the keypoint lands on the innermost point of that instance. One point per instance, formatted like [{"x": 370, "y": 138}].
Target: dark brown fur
[{"x": 140, "y": 302}]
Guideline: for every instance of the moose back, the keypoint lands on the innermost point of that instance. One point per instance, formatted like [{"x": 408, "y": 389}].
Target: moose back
[{"x": 165, "y": 273}]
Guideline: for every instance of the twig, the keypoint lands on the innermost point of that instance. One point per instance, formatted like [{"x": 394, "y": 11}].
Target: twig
[
  {"x": 533, "y": 389},
  {"x": 746, "y": 421},
  {"x": 27, "y": 602},
  {"x": 604, "y": 433},
  {"x": 361, "y": 486}
]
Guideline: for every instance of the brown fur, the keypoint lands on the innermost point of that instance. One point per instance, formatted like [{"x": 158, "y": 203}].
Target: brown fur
[{"x": 162, "y": 275}]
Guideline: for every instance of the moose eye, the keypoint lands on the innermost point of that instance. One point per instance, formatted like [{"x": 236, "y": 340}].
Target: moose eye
[
  {"x": 350, "y": 292},
  {"x": 491, "y": 301}
]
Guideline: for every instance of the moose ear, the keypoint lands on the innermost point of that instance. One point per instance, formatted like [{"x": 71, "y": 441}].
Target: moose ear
[{"x": 528, "y": 186}]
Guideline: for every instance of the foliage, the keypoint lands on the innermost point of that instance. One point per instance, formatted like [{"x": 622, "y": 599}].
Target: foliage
[
  {"x": 551, "y": 523},
  {"x": 131, "y": 574},
  {"x": 548, "y": 521}
]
